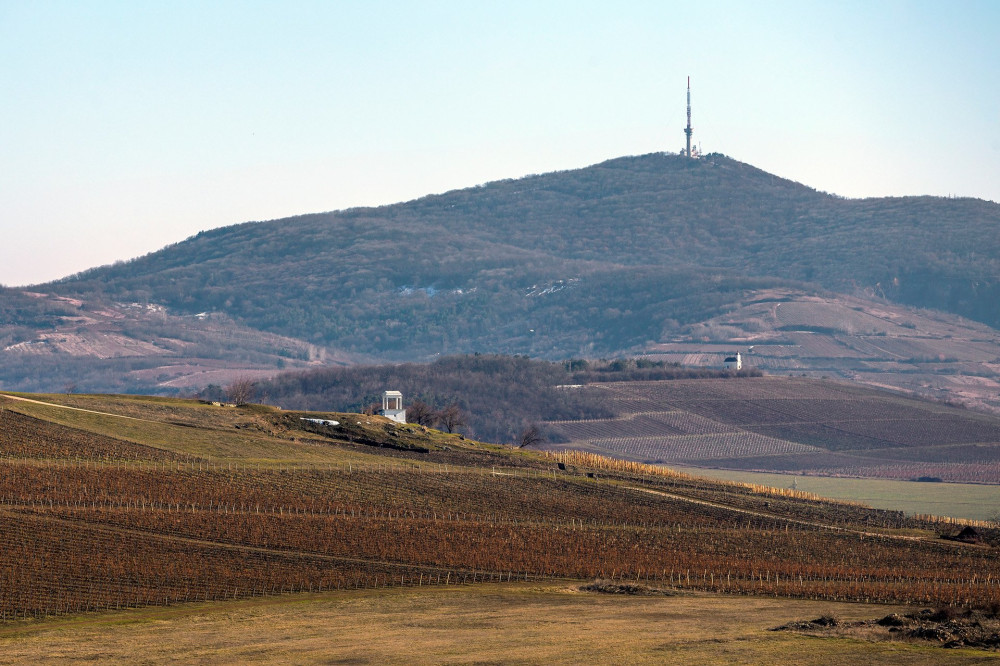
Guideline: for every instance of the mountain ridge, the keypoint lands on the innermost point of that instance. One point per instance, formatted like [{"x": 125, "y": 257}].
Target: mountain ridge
[
  {"x": 601, "y": 261},
  {"x": 690, "y": 229}
]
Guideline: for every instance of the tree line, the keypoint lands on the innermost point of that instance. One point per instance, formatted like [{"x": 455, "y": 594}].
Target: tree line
[{"x": 490, "y": 397}]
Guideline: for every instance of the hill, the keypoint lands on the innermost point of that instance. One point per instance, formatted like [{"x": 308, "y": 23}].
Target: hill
[
  {"x": 498, "y": 396},
  {"x": 137, "y": 501},
  {"x": 654, "y": 211},
  {"x": 872, "y": 342},
  {"x": 797, "y": 425},
  {"x": 115, "y": 502},
  {"x": 610, "y": 259},
  {"x": 67, "y": 343},
  {"x": 664, "y": 413}
]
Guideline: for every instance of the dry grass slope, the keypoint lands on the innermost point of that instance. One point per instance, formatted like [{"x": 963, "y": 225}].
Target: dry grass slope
[{"x": 521, "y": 624}]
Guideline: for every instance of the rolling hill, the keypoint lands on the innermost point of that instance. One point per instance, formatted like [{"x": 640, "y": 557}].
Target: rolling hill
[
  {"x": 612, "y": 259},
  {"x": 663, "y": 413},
  {"x": 112, "y": 502},
  {"x": 781, "y": 331},
  {"x": 791, "y": 425}
]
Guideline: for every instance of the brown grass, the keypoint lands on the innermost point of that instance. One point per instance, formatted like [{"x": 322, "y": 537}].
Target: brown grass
[{"x": 525, "y": 623}]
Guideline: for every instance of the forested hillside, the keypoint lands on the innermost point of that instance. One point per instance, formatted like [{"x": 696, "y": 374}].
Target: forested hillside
[
  {"x": 597, "y": 262},
  {"x": 621, "y": 249}
]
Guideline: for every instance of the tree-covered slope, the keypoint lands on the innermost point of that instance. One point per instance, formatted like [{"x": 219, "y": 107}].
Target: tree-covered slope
[
  {"x": 320, "y": 276},
  {"x": 590, "y": 262}
]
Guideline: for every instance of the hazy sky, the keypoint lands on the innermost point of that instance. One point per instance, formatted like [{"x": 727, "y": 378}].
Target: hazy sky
[{"x": 126, "y": 126}]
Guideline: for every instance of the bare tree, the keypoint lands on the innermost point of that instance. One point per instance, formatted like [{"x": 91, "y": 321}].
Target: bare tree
[
  {"x": 241, "y": 390},
  {"x": 451, "y": 417},
  {"x": 530, "y": 437},
  {"x": 421, "y": 413}
]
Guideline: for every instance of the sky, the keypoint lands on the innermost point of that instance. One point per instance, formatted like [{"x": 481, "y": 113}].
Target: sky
[{"x": 127, "y": 126}]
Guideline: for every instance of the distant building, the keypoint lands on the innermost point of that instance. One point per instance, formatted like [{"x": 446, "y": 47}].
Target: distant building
[
  {"x": 392, "y": 406},
  {"x": 733, "y": 362}
]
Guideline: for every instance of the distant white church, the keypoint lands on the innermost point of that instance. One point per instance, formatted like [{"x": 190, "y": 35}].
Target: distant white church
[
  {"x": 733, "y": 362},
  {"x": 392, "y": 406}
]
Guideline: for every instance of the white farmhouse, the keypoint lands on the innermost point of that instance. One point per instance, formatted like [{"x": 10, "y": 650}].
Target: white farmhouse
[{"x": 392, "y": 406}]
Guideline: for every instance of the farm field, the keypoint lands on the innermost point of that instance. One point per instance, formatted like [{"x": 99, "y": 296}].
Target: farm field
[
  {"x": 523, "y": 623},
  {"x": 791, "y": 425},
  {"x": 113, "y": 504},
  {"x": 960, "y": 500}
]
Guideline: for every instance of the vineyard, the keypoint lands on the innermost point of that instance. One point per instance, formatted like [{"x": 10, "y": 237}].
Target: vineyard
[
  {"x": 790, "y": 332},
  {"x": 796, "y": 314},
  {"x": 789, "y": 425},
  {"x": 95, "y": 522}
]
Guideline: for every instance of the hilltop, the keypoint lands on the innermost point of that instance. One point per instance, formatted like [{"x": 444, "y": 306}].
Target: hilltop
[{"x": 610, "y": 259}]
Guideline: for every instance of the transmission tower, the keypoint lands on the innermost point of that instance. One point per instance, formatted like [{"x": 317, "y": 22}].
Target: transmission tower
[{"x": 689, "y": 130}]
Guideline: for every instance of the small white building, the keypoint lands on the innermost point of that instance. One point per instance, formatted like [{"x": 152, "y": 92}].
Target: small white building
[
  {"x": 392, "y": 406},
  {"x": 733, "y": 362}
]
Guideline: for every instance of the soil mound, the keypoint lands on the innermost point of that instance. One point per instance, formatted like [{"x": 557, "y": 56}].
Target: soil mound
[
  {"x": 949, "y": 627},
  {"x": 617, "y": 587}
]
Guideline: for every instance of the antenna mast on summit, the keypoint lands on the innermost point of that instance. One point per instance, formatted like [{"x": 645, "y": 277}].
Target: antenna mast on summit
[{"x": 689, "y": 130}]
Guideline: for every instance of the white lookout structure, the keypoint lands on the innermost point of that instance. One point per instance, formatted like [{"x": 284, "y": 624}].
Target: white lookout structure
[
  {"x": 392, "y": 406},
  {"x": 733, "y": 362}
]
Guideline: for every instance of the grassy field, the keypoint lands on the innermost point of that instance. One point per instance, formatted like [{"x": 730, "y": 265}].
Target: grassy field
[
  {"x": 513, "y": 624},
  {"x": 959, "y": 500}
]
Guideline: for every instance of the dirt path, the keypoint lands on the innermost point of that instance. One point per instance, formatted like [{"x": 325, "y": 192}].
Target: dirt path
[{"x": 75, "y": 409}]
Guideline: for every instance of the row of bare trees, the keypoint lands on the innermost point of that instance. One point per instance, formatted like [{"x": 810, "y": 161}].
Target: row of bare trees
[
  {"x": 242, "y": 390},
  {"x": 449, "y": 418},
  {"x": 452, "y": 417}
]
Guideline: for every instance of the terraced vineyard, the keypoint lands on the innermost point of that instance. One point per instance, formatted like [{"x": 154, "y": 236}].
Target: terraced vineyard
[
  {"x": 782, "y": 331},
  {"x": 790, "y": 425},
  {"x": 835, "y": 316},
  {"x": 135, "y": 504}
]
